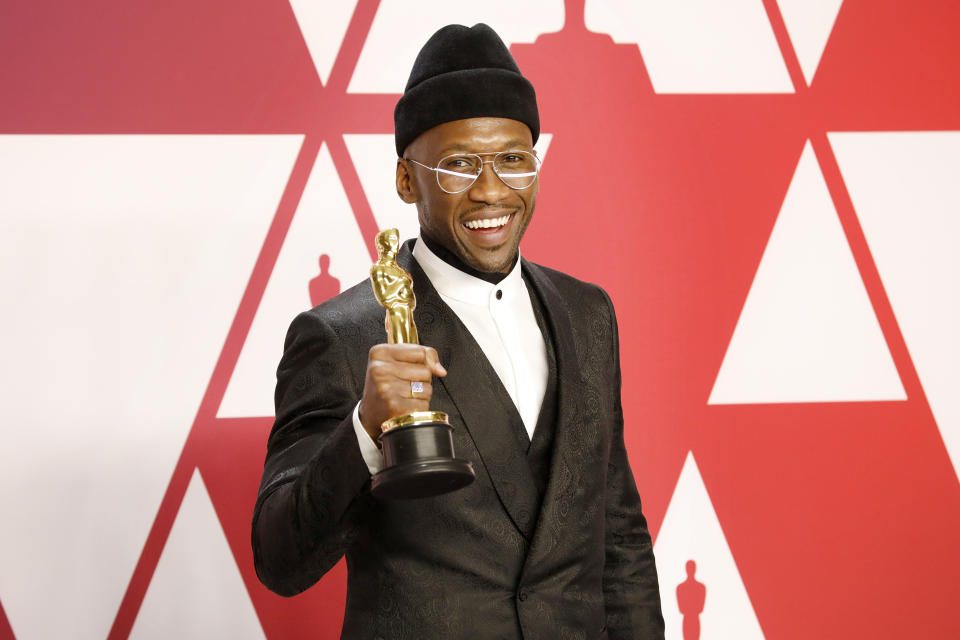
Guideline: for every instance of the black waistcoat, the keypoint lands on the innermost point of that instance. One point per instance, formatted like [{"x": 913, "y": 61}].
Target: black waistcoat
[{"x": 540, "y": 448}]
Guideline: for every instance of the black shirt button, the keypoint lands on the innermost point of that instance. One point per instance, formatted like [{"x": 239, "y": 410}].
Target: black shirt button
[
  {"x": 522, "y": 596},
  {"x": 499, "y": 294}
]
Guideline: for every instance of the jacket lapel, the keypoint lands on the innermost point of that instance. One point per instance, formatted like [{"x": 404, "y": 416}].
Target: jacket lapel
[
  {"x": 483, "y": 405},
  {"x": 555, "y": 511}
]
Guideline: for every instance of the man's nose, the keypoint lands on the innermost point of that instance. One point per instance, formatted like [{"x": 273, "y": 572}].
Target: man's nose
[{"x": 488, "y": 186}]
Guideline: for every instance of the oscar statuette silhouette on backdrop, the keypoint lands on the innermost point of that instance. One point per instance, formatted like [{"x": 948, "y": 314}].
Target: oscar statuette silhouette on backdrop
[
  {"x": 691, "y": 596},
  {"x": 324, "y": 286},
  {"x": 417, "y": 447}
]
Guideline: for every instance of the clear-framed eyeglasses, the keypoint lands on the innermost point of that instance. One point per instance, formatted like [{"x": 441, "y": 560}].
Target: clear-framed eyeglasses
[{"x": 457, "y": 173}]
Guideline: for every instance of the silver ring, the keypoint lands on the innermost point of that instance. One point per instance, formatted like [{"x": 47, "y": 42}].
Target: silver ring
[{"x": 416, "y": 387}]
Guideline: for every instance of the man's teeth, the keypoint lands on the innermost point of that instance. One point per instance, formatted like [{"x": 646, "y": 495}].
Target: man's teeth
[{"x": 488, "y": 223}]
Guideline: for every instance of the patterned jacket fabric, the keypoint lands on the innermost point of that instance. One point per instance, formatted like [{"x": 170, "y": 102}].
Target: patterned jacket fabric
[{"x": 491, "y": 560}]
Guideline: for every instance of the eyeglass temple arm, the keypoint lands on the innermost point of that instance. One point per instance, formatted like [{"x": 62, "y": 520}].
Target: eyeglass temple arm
[
  {"x": 461, "y": 175},
  {"x": 439, "y": 170},
  {"x": 520, "y": 175}
]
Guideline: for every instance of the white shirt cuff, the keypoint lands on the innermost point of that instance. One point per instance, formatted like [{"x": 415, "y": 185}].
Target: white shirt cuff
[{"x": 368, "y": 448}]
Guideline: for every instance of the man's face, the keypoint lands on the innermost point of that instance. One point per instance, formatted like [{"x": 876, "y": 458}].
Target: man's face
[{"x": 445, "y": 217}]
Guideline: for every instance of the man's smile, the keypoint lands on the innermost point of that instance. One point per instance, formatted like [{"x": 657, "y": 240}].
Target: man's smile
[
  {"x": 491, "y": 223},
  {"x": 490, "y": 231}
]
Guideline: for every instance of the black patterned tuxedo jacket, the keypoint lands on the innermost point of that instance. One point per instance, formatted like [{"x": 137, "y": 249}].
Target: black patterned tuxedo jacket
[{"x": 499, "y": 559}]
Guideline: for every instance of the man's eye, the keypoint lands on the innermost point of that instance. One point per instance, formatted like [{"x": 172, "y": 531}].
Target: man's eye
[{"x": 458, "y": 164}]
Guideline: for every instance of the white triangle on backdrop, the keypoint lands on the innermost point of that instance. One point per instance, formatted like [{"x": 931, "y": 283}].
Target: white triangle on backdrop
[
  {"x": 807, "y": 331},
  {"x": 196, "y": 590},
  {"x": 809, "y": 23},
  {"x": 375, "y": 159},
  {"x": 127, "y": 256},
  {"x": 691, "y": 531},
  {"x": 905, "y": 190},
  {"x": 697, "y": 46},
  {"x": 387, "y": 58},
  {"x": 543, "y": 143},
  {"x": 322, "y": 224},
  {"x": 323, "y": 25}
]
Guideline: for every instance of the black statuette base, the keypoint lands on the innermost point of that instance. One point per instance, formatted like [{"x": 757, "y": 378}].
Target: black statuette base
[{"x": 420, "y": 463}]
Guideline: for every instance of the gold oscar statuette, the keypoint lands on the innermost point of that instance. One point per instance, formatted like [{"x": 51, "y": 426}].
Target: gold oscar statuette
[{"x": 417, "y": 447}]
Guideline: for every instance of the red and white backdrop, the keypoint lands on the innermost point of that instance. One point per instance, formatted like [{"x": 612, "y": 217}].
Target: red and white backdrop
[{"x": 767, "y": 188}]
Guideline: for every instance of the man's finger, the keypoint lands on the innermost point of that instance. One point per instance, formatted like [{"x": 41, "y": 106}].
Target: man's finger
[
  {"x": 433, "y": 361},
  {"x": 417, "y": 354},
  {"x": 413, "y": 353},
  {"x": 411, "y": 372}
]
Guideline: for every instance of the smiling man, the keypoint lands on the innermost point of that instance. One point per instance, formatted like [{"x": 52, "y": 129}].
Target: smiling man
[
  {"x": 549, "y": 541},
  {"x": 478, "y": 216}
]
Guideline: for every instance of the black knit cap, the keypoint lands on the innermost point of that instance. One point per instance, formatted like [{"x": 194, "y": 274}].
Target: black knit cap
[{"x": 463, "y": 73}]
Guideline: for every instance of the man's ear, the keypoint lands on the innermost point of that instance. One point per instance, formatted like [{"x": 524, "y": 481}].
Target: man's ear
[{"x": 406, "y": 186}]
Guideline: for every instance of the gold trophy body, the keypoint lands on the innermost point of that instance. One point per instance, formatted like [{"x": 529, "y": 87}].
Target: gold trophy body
[{"x": 418, "y": 446}]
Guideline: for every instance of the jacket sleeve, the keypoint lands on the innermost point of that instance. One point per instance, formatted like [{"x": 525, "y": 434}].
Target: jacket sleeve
[
  {"x": 315, "y": 485},
  {"x": 630, "y": 586}
]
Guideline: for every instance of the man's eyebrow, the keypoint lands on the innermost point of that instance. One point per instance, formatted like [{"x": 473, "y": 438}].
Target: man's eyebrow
[
  {"x": 456, "y": 146},
  {"x": 513, "y": 143},
  {"x": 517, "y": 142}
]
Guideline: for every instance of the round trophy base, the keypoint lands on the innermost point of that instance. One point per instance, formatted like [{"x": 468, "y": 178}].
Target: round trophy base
[{"x": 419, "y": 461}]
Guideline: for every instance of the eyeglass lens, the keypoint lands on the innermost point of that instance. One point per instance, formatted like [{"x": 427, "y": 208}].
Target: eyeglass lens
[{"x": 517, "y": 169}]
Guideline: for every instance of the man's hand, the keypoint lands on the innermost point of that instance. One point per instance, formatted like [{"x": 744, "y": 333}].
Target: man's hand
[{"x": 386, "y": 391}]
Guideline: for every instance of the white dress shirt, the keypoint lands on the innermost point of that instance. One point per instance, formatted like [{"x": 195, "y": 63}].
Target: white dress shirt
[{"x": 500, "y": 318}]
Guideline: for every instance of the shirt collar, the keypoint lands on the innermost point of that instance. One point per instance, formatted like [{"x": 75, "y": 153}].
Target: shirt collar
[{"x": 450, "y": 282}]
